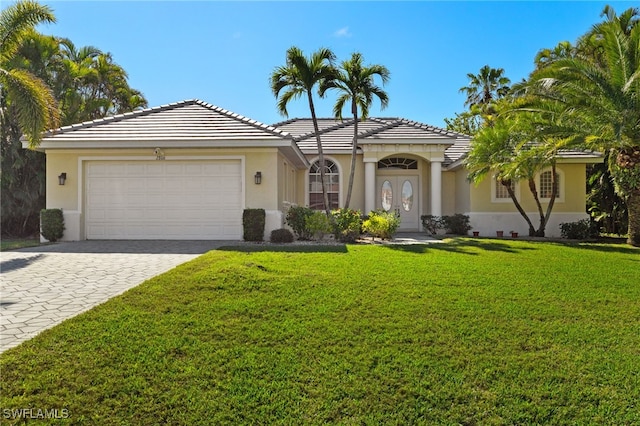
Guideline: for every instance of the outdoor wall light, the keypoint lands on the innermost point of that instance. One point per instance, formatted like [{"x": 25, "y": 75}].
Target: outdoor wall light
[
  {"x": 62, "y": 178},
  {"x": 258, "y": 178}
]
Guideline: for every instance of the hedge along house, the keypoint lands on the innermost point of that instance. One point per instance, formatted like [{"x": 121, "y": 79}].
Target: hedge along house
[{"x": 187, "y": 171}]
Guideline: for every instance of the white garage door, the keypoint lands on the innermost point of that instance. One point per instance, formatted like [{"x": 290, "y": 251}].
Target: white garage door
[{"x": 175, "y": 200}]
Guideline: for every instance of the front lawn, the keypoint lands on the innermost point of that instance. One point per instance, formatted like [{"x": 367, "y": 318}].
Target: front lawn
[
  {"x": 466, "y": 332},
  {"x": 18, "y": 243}
]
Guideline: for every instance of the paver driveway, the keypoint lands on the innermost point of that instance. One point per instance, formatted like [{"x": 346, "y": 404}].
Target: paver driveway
[{"x": 42, "y": 286}]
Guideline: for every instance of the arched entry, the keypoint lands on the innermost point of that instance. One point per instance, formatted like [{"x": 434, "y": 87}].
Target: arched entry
[{"x": 397, "y": 190}]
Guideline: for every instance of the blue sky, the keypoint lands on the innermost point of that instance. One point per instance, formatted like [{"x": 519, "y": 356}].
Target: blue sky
[{"x": 224, "y": 52}]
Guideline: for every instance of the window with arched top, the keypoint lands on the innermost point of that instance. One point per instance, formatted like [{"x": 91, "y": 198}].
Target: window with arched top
[
  {"x": 332, "y": 182},
  {"x": 398, "y": 163}
]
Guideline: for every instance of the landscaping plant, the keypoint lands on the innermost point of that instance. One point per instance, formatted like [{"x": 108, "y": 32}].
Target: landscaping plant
[
  {"x": 348, "y": 223},
  {"x": 381, "y": 224}
]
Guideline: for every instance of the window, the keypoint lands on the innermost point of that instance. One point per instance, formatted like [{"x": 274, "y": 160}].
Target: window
[
  {"x": 398, "y": 163},
  {"x": 499, "y": 193},
  {"x": 332, "y": 182},
  {"x": 502, "y": 190},
  {"x": 546, "y": 185}
]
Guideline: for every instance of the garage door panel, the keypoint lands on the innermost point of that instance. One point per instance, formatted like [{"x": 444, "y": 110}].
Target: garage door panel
[{"x": 163, "y": 200}]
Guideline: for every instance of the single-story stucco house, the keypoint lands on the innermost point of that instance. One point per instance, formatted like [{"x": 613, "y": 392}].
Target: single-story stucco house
[{"x": 187, "y": 170}]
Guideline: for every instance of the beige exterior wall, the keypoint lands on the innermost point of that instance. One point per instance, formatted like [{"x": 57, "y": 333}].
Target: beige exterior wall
[
  {"x": 72, "y": 162},
  {"x": 66, "y": 196},
  {"x": 463, "y": 192},
  {"x": 448, "y": 193},
  {"x": 573, "y": 187},
  {"x": 344, "y": 165}
]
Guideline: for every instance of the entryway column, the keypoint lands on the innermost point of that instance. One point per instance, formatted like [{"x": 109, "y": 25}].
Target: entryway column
[
  {"x": 436, "y": 188},
  {"x": 369, "y": 185}
]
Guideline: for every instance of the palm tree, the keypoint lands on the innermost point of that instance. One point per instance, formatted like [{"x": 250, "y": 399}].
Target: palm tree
[
  {"x": 486, "y": 87},
  {"x": 355, "y": 81},
  {"x": 33, "y": 102},
  {"x": 298, "y": 77},
  {"x": 602, "y": 92}
]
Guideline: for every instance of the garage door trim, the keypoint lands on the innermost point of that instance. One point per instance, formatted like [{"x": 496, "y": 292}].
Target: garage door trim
[{"x": 81, "y": 177}]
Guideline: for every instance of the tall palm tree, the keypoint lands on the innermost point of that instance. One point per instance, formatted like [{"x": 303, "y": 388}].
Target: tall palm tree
[
  {"x": 602, "y": 92},
  {"x": 486, "y": 87},
  {"x": 33, "y": 102},
  {"x": 299, "y": 77},
  {"x": 355, "y": 81}
]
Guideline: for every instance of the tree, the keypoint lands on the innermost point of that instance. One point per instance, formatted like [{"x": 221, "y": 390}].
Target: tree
[
  {"x": 69, "y": 75},
  {"x": 601, "y": 91},
  {"x": 486, "y": 87},
  {"x": 299, "y": 77},
  {"x": 516, "y": 147},
  {"x": 30, "y": 99},
  {"x": 355, "y": 83}
]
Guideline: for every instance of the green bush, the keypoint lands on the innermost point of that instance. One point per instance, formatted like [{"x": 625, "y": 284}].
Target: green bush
[
  {"x": 381, "y": 224},
  {"x": 579, "y": 230},
  {"x": 317, "y": 225},
  {"x": 51, "y": 224},
  {"x": 281, "y": 235},
  {"x": 347, "y": 223},
  {"x": 432, "y": 223},
  {"x": 457, "y": 224},
  {"x": 253, "y": 221},
  {"x": 297, "y": 219}
]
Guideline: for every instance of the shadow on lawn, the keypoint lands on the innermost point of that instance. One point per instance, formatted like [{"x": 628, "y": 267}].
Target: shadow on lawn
[
  {"x": 621, "y": 248},
  {"x": 289, "y": 248},
  {"x": 463, "y": 246}
]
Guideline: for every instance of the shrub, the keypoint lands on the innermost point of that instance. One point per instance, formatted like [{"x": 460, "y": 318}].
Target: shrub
[
  {"x": 381, "y": 224},
  {"x": 281, "y": 235},
  {"x": 317, "y": 225},
  {"x": 457, "y": 224},
  {"x": 432, "y": 223},
  {"x": 580, "y": 230},
  {"x": 347, "y": 223},
  {"x": 253, "y": 221},
  {"x": 51, "y": 224},
  {"x": 297, "y": 220}
]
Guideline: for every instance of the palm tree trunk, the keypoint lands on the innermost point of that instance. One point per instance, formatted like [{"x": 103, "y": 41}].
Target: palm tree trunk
[
  {"x": 554, "y": 191},
  {"x": 325, "y": 195},
  {"x": 534, "y": 192},
  {"x": 633, "y": 207},
  {"x": 354, "y": 149},
  {"x": 512, "y": 195}
]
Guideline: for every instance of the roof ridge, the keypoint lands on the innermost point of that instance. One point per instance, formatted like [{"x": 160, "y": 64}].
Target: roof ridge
[
  {"x": 386, "y": 125},
  {"x": 166, "y": 107},
  {"x": 431, "y": 128},
  {"x": 339, "y": 125},
  {"x": 119, "y": 117},
  {"x": 255, "y": 123}
]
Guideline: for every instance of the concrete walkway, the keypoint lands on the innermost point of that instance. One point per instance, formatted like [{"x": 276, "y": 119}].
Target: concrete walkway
[{"x": 43, "y": 286}]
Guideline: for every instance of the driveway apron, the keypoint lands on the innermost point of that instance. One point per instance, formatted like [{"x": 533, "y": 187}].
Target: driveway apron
[{"x": 42, "y": 286}]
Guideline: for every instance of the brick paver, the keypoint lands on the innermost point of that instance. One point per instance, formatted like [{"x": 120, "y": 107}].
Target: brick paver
[{"x": 42, "y": 286}]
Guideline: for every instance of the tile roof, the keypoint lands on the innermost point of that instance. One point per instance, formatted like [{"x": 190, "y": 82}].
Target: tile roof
[
  {"x": 336, "y": 135},
  {"x": 181, "y": 121}
]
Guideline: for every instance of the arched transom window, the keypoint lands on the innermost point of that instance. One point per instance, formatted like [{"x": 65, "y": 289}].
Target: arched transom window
[
  {"x": 332, "y": 180},
  {"x": 398, "y": 163}
]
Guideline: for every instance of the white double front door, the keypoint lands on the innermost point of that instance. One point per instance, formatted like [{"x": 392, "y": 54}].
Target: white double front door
[{"x": 400, "y": 194}]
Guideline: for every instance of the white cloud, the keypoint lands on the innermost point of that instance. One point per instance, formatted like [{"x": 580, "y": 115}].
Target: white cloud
[{"x": 342, "y": 32}]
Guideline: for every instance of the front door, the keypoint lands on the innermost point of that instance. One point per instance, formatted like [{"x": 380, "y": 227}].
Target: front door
[{"x": 400, "y": 194}]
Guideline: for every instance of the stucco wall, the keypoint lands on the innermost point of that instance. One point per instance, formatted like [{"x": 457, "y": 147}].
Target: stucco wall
[
  {"x": 573, "y": 198},
  {"x": 72, "y": 162},
  {"x": 448, "y": 193},
  {"x": 463, "y": 192}
]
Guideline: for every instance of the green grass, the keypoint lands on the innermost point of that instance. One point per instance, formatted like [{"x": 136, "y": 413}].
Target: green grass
[
  {"x": 468, "y": 332},
  {"x": 13, "y": 244}
]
